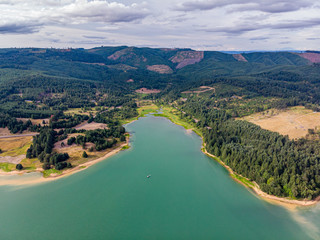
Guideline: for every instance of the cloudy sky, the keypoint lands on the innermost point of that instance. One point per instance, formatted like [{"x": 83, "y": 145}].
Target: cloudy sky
[{"x": 198, "y": 24}]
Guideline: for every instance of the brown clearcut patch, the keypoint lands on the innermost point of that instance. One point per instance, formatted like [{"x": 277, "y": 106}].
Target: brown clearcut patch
[
  {"x": 130, "y": 80},
  {"x": 127, "y": 54},
  {"x": 119, "y": 53},
  {"x": 147, "y": 91},
  {"x": 163, "y": 69},
  {"x": 240, "y": 57},
  {"x": 185, "y": 58},
  {"x": 91, "y": 126},
  {"x": 312, "y": 57}
]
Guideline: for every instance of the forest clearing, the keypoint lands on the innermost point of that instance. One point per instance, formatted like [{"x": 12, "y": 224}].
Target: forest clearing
[{"x": 294, "y": 121}]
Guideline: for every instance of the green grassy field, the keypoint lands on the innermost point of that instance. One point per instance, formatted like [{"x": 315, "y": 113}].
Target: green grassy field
[
  {"x": 243, "y": 180},
  {"x": 173, "y": 115},
  {"x": 17, "y": 151},
  {"x": 47, "y": 173},
  {"x": 125, "y": 147},
  {"x": 7, "y": 167},
  {"x": 142, "y": 111}
]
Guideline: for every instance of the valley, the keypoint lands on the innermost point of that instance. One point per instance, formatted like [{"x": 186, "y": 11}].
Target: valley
[{"x": 76, "y": 110}]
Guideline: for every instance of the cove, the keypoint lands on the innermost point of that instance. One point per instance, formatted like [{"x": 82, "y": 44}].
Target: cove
[{"x": 188, "y": 196}]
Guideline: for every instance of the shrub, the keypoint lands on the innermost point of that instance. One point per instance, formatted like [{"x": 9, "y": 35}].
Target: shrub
[{"x": 19, "y": 166}]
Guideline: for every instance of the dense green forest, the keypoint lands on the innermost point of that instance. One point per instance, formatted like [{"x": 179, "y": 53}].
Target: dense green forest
[
  {"x": 280, "y": 166},
  {"x": 43, "y": 83}
]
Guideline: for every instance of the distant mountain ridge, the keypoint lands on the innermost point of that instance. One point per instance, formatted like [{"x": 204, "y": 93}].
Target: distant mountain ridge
[
  {"x": 150, "y": 59},
  {"x": 150, "y": 67},
  {"x": 179, "y": 58}
]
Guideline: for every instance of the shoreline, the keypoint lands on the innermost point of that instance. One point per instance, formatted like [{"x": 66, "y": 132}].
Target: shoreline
[
  {"x": 255, "y": 189},
  {"x": 68, "y": 172},
  {"x": 65, "y": 173},
  {"x": 285, "y": 202}
]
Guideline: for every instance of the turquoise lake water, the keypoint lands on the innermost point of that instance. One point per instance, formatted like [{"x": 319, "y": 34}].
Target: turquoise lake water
[{"x": 188, "y": 196}]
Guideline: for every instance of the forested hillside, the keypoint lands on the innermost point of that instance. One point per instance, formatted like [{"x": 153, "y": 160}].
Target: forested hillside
[{"x": 210, "y": 88}]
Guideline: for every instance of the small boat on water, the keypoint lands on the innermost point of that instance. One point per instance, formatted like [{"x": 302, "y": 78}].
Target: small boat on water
[{"x": 148, "y": 176}]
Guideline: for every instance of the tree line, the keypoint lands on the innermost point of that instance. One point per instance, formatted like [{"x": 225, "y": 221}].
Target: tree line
[{"x": 280, "y": 166}]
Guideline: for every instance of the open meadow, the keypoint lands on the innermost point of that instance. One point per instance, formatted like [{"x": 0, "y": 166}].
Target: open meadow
[{"x": 294, "y": 121}]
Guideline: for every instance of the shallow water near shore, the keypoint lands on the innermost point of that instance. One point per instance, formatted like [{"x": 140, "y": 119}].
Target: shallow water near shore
[{"x": 187, "y": 196}]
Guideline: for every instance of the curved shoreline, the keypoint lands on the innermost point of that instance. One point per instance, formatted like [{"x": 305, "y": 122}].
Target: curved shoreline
[
  {"x": 289, "y": 203},
  {"x": 65, "y": 173},
  {"x": 285, "y": 202}
]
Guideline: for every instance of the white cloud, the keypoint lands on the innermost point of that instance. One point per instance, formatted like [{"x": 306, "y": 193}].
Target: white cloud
[
  {"x": 21, "y": 17},
  {"x": 202, "y": 24},
  {"x": 270, "y": 6},
  {"x": 102, "y": 11}
]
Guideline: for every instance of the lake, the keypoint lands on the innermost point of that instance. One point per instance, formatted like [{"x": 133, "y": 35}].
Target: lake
[{"x": 187, "y": 196}]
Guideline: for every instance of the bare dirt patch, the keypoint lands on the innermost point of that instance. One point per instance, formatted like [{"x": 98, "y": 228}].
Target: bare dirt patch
[
  {"x": 58, "y": 145},
  {"x": 14, "y": 149},
  {"x": 185, "y": 58},
  {"x": 119, "y": 53},
  {"x": 293, "y": 122},
  {"x": 201, "y": 89},
  {"x": 147, "y": 91},
  {"x": 127, "y": 54},
  {"x": 13, "y": 160},
  {"x": 162, "y": 69},
  {"x": 91, "y": 126},
  {"x": 312, "y": 57},
  {"x": 4, "y": 132},
  {"x": 240, "y": 57}
]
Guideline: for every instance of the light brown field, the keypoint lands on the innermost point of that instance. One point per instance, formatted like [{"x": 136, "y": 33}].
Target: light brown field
[
  {"x": 91, "y": 126},
  {"x": 14, "y": 149},
  {"x": 160, "y": 69},
  {"x": 293, "y": 122},
  {"x": 35, "y": 121},
  {"x": 4, "y": 132},
  {"x": 13, "y": 160},
  {"x": 57, "y": 145},
  {"x": 75, "y": 153},
  {"x": 201, "y": 89},
  {"x": 73, "y": 111},
  {"x": 147, "y": 91},
  {"x": 11, "y": 144}
]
